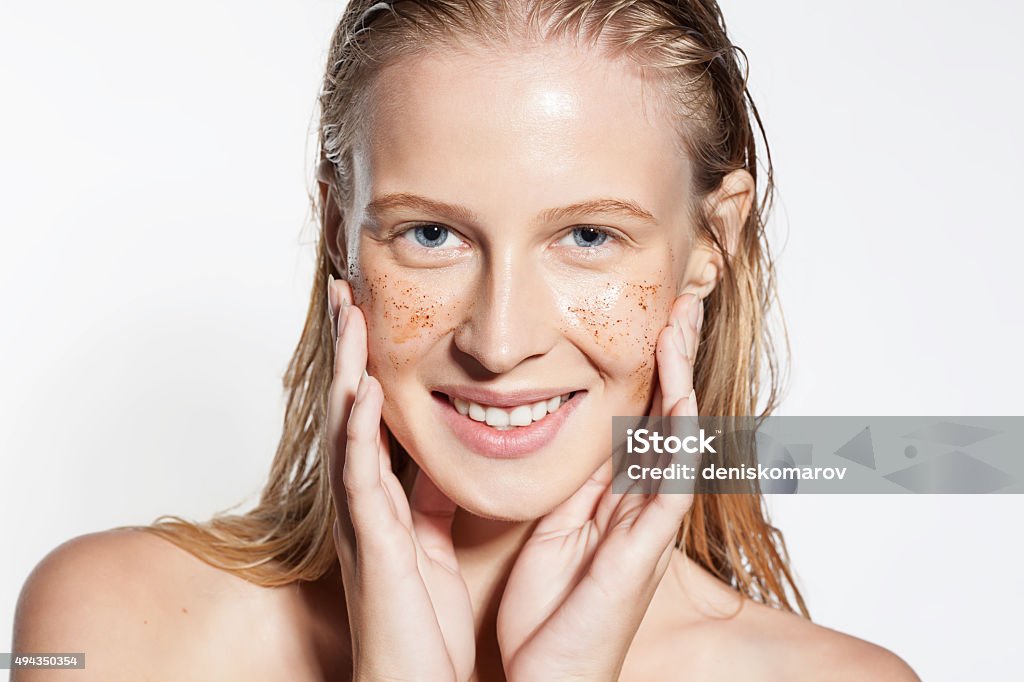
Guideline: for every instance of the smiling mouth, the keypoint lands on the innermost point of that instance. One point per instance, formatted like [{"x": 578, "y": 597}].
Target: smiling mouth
[{"x": 508, "y": 418}]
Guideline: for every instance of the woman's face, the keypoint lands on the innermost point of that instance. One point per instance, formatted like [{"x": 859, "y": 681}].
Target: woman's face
[{"x": 519, "y": 232}]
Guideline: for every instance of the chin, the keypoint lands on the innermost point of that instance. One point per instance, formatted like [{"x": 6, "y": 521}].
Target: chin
[
  {"x": 500, "y": 490},
  {"x": 512, "y": 507}
]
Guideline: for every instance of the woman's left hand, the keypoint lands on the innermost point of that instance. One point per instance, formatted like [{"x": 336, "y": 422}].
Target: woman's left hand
[{"x": 583, "y": 581}]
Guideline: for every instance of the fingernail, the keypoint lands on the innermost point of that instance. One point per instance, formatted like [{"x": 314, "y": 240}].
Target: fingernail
[
  {"x": 693, "y": 311},
  {"x": 700, "y": 316},
  {"x": 330, "y": 297},
  {"x": 365, "y": 373}
]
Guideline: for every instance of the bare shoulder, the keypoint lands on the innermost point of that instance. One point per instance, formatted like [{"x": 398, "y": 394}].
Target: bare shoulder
[
  {"x": 812, "y": 651},
  {"x": 763, "y": 643},
  {"x": 139, "y": 607},
  {"x": 700, "y": 628}
]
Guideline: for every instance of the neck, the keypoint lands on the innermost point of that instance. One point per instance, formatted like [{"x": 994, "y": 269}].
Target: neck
[{"x": 487, "y": 550}]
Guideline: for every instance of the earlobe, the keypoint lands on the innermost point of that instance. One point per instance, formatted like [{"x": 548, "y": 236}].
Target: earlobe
[
  {"x": 702, "y": 273},
  {"x": 709, "y": 278}
]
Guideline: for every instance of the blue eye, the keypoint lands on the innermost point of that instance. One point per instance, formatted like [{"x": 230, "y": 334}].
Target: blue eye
[
  {"x": 431, "y": 236},
  {"x": 588, "y": 237}
]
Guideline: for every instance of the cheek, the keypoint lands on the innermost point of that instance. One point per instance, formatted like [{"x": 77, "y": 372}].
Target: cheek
[
  {"x": 403, "y": 318},
  {"x": 619, "y": 322}
]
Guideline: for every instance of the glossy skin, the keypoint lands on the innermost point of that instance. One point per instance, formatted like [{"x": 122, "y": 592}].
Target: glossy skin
[{"x": 425, "y": 588}]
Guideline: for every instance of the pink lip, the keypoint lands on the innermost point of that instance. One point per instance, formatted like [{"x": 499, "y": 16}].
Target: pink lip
[{"x": 519, "y": 442}]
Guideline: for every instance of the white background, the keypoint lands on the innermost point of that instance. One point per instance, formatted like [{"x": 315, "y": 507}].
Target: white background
[{"x": 156, "y": 260}]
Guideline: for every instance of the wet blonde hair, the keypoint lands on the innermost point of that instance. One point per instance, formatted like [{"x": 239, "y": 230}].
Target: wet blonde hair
[{"x": 682, "y": 43}]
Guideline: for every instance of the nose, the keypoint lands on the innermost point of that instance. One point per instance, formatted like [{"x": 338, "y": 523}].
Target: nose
[{"x": 512, "y": 319}]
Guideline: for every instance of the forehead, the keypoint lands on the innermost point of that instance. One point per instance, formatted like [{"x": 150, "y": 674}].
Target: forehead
[{"x": 534, "y": 125}]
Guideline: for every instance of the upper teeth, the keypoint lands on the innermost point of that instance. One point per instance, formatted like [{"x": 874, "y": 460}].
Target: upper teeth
[{"x": 506, "y": 418}]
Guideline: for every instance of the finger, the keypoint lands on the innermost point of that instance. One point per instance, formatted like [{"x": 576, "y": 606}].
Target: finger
[
  {"x": 339, "y": 294},
  {"x": 349, "y": 366},
  {"x": 332, "y": 306},
  {"x": 581, "y": 505},
  {"x": 392, "y": 486},
  {"x": 612, "y": 504},
  {"x": 688, "y": 314},
  {"x": 675, "y": 374},
  {"x": 350, "y": 343},
  {"x": 620, "y": 510},
  {"x": 366, "y": 498},
  {"x": 660, "y": 519}
]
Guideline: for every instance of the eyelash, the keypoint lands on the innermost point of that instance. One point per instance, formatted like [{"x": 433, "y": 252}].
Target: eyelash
[
  {"x": 409, "y": 234},
  {"x": 605, "y": 234}
]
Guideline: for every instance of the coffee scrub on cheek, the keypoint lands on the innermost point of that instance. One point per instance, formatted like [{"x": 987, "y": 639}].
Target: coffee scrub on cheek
[
  {"x": 401, "y": 314},
  {"x": 619, "y": 318}
]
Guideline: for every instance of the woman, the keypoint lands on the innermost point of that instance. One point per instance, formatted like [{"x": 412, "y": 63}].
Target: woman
[{"x": 536, "y": 215}]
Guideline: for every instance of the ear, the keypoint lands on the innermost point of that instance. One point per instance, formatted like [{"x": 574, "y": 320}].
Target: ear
[
  {"x": 727, "y": 209},
  {"x": 331, "y": 218}
]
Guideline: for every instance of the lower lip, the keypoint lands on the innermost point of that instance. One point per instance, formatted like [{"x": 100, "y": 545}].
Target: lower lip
[{"x": 512, "y": 443}]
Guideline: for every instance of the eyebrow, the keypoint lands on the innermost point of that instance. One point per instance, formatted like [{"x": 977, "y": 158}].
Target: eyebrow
[{"x": 604, "y": 206}]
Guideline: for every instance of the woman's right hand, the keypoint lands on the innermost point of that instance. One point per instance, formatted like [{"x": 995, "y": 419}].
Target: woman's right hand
[{"x": 408, "y": 606}]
